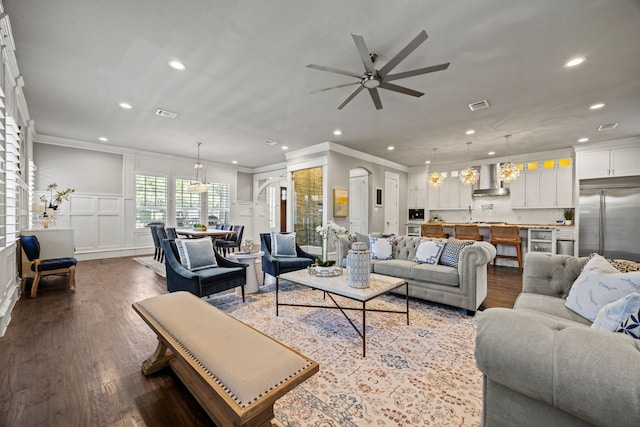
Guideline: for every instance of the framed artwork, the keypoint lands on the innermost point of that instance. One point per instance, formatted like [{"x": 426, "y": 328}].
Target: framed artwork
[
  {"x": 379, "y": 197},
  {"x": 340, "y": 203}
]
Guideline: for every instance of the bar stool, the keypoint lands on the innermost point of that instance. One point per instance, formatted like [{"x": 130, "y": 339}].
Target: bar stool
[
  {"x": 432, "y": 230},
  {"x": 468, "y": 232},
  {"x": 508, "y": 235}
]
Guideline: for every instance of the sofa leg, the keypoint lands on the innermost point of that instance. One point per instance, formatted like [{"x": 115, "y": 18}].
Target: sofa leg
[{"x": 242, "y": 287}]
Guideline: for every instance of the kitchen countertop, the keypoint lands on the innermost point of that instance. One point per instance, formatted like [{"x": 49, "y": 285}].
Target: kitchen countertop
[{"x": 489, "y": 224}]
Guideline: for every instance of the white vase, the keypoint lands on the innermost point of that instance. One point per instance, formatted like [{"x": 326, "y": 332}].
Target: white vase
[{"x": 358, "y": 266}]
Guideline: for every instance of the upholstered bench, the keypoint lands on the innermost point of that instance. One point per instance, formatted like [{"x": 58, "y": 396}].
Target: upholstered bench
[{"x": 234, "y": 371}]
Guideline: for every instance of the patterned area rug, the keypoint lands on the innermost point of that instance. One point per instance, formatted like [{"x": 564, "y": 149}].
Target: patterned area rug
[
  {"x": 423, "y": 374},
  {"x": 152, "y": 264}
]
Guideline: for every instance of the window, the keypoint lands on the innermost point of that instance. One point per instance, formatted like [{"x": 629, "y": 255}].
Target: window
[
  {"x": 187, "y": 204},
  {"x": 151, "y": 200},
  {"x": 219, "y": 203}
]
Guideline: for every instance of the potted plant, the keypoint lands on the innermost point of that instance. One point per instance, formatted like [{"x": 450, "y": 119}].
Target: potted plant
[
  {"x": 568, "y": 216},
  {"x": 200, "y": 227}
]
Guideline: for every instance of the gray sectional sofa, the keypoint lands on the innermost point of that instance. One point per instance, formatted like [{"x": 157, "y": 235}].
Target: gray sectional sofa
[
  {"x": 464, "y": 286},
  {"x": 544, "y": 366}
]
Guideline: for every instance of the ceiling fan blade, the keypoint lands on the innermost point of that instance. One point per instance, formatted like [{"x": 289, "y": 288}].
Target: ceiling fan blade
[
  {"x": 364, "y": 53},
  {"x": 353, "y": 95},
  {"x": 334, "y": 87},
  {"x": 401, "y": 89},
  {"x": 334, "y": 70},
  {"x": 375, "y": 96},
  {"x": 417, "y": 72},
  {"x": 400, "y": 56}
]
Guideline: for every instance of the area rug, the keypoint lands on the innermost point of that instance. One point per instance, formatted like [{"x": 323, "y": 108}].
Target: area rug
[
  {"x": 423, "y": 374},
  {"x": 152, "y": 264}
]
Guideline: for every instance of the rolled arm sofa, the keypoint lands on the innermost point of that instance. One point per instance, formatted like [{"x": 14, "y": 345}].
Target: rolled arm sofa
[
  {"x": 543, "y": 365},
  {"x": 464, "y": 286}
]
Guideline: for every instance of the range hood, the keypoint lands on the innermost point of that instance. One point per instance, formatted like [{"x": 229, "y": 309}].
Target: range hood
[{"x": 489, "y": 184}]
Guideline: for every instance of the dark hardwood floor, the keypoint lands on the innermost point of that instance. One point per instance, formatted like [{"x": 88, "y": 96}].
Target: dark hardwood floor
[{"x": 74, "y": 359}]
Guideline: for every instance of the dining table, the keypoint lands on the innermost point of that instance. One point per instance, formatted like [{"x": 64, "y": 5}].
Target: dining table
[{"x": 197, "y": 234}]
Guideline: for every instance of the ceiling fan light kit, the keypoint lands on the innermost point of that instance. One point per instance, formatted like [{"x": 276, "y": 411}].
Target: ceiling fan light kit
[{"x": 372, "y": 78}]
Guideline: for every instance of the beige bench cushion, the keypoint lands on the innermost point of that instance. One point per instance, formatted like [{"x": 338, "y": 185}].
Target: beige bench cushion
[{"x": 246, "y": 363}]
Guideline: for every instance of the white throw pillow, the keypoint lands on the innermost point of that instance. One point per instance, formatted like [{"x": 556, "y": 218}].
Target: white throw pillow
[
  {"x": 380, "y": 247},
  {"x": 613, "y": 314},
  {"x": 196, "y": 254},
  {"x": 599, "y": 284},
  {"x": 429, "y": 252},
  {"x": 283, "y": 244}
]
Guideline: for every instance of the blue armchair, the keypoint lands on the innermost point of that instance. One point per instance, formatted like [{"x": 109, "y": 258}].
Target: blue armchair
[
  {"x": 31, "y": 248},
  {"x": 227, "y": 275},
  {"x": 275, "y": 265}
]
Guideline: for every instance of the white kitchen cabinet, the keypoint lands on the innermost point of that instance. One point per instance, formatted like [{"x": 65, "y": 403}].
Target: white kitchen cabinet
[
  {"x": 603, "y": 163},
  {"x": 414, "y": 230},
  {"x": 417, "y": 190},
  {"x": 544, "y": 184},
  {"x": 452, "y": 195},
  {"x": 542, "y": 240}
]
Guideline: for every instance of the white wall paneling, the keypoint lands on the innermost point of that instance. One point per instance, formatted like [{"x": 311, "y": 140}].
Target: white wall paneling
[
  {"x": 9, "y": 287},
  {"x": 97, "y": 221}
]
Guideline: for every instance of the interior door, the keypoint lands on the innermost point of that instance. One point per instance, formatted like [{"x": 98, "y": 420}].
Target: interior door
[
  {"x": 391, "y": 203},
  {"x": 359, "y": 204}
]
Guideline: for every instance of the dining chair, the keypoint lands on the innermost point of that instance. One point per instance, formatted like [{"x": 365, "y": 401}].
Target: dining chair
[
  {"x": 229, "y": 245},
  {"x": 162, "y": 235},
  {"x": 156, "y": 242},
  {"x": 171, "y": 233}
]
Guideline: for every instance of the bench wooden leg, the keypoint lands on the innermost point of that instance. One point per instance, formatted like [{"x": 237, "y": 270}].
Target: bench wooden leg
[{"x": 158, "y": 360}]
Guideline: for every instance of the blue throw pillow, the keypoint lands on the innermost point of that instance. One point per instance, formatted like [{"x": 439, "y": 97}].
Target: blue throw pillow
[
  {"x": 283, "y": 244},
  {"x": 451, "y": 252},
  {"x": 196, "y": 254},
  {"x": 631, "y": 325}
]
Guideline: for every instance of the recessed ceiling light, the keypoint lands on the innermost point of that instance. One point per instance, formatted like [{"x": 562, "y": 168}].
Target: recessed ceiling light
[
  {"x": 491, "y": 153},
  {"x": 391, "y": 147},
  {"x": 470, "y": 132},
  {"x": 597, "y": 106},
  {"x": 427, "y": 162},
  {"x": 574, "y": 61},
  {"x": 583, "y": 139},
  {"x": 103, "y": 139},
  {"x": 284, "y": 147},
  {"x": 177, "y": 65},
  {"x": 337, "y": 132},
  {"x": 125, "y": 105},
  {"x": 235, "y": 162}
]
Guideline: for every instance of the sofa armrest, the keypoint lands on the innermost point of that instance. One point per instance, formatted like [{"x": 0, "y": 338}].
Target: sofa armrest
[
  {"x": 551, "y": 275},
  {"x": 588, "y": 373},
  {"x": 480, "y": 253}
]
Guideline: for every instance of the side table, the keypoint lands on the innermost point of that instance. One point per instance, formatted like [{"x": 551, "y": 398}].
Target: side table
[{"x": 249, "y": 259}]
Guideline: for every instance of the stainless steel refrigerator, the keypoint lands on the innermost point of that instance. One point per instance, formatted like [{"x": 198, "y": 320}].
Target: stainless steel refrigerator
[{"x": 609, "y": 218}]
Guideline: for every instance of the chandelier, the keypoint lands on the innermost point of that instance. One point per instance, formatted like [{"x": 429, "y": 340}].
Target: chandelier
[
  {"x": 469, "y": 175},
  {"x": 435, "y": 179},
  {"x": 508, "y": 172},
  {"x": 196, "y": 185}
]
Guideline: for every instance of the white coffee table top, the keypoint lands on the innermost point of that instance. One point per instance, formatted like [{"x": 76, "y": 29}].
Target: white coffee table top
[{"x": 338, "y": 285}]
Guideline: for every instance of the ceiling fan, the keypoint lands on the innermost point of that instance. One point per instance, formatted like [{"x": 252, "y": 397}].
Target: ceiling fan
[{"x": 372, "y": 79}]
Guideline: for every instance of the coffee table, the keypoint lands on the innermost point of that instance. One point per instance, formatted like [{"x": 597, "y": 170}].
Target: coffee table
[{"x": 331, "y": 286}]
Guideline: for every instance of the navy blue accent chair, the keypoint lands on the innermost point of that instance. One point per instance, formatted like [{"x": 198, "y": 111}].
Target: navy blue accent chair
[
  {"x": 227, "y": 275},
  {"x": 31, "y": 248},
  {"x": 275, "y": 265}
]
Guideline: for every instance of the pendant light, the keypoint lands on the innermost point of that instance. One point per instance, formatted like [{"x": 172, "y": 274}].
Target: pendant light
[
  {"x": 469, "y": 175},
  {"x": 196, "y": 185},
  {"x": 508, "y": 172},
  {"x": 435, "y": 179}
]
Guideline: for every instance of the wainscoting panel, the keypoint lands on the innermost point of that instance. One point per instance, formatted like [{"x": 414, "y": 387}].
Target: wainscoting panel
[
  {"x": 98, "y": 222},
  {"x": 9, "y": 289}
]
